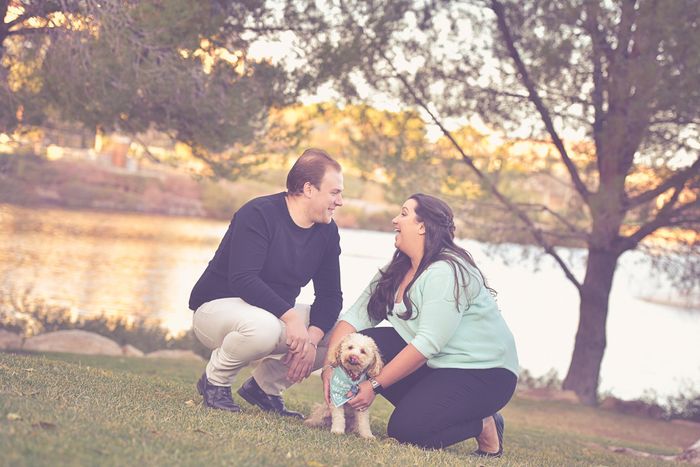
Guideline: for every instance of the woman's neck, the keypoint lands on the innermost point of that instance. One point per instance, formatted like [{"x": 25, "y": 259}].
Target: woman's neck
[{"x": 416, "y": 258}]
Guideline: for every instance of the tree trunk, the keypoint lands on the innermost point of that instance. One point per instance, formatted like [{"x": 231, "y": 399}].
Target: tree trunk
[
  {"x": 4, "y": 5},
  {"x": 584, "y": 371}
]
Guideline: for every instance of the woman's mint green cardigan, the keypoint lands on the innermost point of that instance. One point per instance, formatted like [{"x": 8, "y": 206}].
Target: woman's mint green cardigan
[{"x": 471, "y": 335}]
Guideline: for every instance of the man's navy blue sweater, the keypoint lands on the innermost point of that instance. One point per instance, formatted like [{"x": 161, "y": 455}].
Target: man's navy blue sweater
[{"x": 265, "y": 259}]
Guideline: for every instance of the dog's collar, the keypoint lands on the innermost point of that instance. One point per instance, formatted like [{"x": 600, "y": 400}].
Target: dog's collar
[{"x": 351, "y": 375}]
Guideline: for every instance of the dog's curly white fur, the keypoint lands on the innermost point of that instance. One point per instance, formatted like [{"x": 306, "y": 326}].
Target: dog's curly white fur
[{"x": 357, "y": 354}]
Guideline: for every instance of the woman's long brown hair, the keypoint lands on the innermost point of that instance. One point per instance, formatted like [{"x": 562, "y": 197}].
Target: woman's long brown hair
[{"x": 439, "y": 246}]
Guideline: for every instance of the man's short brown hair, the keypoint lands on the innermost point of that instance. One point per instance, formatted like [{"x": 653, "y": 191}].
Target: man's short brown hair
[{"x": 310, "y": 167}]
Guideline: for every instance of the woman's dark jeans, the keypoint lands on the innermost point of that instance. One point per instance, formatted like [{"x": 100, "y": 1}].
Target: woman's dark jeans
[{"x": 437, "y": 407}]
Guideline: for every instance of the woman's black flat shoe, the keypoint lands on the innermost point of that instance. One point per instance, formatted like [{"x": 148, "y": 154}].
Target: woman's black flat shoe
[{"x": 500, "y": 428}]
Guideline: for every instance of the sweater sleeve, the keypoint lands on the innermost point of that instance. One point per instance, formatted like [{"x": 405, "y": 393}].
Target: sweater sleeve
[
  {"x": 357, "y": 315},
  {"x": 329, "y": 297},
  {"x": 249, "y": 245},
  {"x": 438, "y": 315}
]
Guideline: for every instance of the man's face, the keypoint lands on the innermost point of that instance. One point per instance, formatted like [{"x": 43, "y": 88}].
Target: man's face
[{"x": 327, "y": 197}]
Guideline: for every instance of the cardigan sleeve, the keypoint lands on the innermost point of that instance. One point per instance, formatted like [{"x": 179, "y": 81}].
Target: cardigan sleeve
[{"x": 358, "y": 315}]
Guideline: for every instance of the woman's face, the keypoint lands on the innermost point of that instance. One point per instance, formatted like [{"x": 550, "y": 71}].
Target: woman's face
[{"x": 409, "y": 230}]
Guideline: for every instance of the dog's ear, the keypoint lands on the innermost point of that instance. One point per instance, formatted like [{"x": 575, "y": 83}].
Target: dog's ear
[
  {"x": 377, "y": 364},
  {"x": 337, "y": 360}
]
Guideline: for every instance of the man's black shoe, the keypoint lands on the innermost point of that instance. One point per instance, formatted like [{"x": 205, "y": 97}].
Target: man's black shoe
[
  {"x": 216, "y": 397},
  {"x": 251, "y": 392}
]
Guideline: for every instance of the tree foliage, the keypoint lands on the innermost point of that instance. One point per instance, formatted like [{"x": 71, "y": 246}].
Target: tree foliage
[
  {"x": 175, "y": 66},
  {"x": 622, "y": 77}
]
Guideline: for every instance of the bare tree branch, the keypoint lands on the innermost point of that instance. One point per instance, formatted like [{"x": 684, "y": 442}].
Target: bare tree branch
[
  {"x": 498, "y": 9},
  {"x": 152, "y": 157},
  {"x": 33, "y": 12},
  {"x": 665, "y": 217},
  {"x": 4, "y": 5},
  {"x": 265, "y": 29},
  {"x": 469, "y": 161},
  {"x": 674, "y": 181},
  {"x": 625, "y": 31},
  {"x": 572, "y": 99},
  {"x": 534, "y": 230},
  {"x": 599, "y": 44},
  {"x": 25, "y": 31},
  {"x": 673, "y": 121},
  {"x": 540, "y": 207}
]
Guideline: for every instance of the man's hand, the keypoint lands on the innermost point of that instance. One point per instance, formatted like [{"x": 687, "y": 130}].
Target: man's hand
[
  {"x": 297, "y": 334},
  {"x": 300, "y": 363}
]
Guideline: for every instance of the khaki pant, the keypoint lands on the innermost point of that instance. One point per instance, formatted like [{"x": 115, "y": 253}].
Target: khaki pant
[{"x": 239, "y": 334}]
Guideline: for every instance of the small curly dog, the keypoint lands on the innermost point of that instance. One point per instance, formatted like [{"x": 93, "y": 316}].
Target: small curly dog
[{"x": 356, "y": 358}]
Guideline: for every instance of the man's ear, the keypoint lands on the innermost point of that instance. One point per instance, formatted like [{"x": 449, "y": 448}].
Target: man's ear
[
  {"x": 308, "y": 189},
  {"x": 421, "y": 228}
]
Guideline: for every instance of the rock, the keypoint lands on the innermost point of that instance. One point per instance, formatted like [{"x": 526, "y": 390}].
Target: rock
[
  {"x": 175, "y": 354},
  {"x": 73, "y": 341},
  {"x": 10, "y": 340},
  {"x": 129, "y": 350},
  {"x": 692, "y": 454}
]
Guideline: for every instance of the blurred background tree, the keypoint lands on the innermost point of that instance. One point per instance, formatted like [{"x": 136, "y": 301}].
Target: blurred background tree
[
  {"x": 612, "y": 89},
  {"x": 178, "y": 67}
]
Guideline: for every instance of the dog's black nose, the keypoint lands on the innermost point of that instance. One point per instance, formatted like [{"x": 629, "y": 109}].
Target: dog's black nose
[{"x": 353, "y": 360}]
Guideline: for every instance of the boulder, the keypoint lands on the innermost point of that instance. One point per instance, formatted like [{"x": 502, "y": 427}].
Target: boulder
[
  {"x": 129, "y": 350},
  {"x": 175, "y": 354},
  {"x": 10, "y": 340},
  {"x": 692, "y": 454},
  {"x": 73, "y": 341}
]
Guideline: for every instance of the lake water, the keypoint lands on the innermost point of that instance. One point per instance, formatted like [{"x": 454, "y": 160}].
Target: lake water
[{"x": 134, "y": 265}]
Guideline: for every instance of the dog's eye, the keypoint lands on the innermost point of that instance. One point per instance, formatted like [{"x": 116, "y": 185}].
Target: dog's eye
[
  {"x": 350, "y": 347},
  {"x": 362, "y": 351}
]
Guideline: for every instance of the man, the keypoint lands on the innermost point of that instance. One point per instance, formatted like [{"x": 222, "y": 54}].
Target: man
[{"x": 244, "y": 301}]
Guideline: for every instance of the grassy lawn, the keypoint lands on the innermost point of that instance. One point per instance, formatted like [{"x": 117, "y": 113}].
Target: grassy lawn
[{"x": 78, "y": 410}]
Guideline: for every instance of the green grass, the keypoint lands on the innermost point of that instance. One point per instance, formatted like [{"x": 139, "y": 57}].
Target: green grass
[{"x": 84, "y": 410}]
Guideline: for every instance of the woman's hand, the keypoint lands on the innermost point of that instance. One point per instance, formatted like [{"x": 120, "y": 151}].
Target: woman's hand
[
  {"x": 340, "y": 330},
  {"x": 326, "y": 375},
  {"x": 300, "y": 363},
  {"x": 364, "y": 398}
]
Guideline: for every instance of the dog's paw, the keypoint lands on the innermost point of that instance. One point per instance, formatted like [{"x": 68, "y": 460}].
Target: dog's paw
[{"x": 337, "y": 431}]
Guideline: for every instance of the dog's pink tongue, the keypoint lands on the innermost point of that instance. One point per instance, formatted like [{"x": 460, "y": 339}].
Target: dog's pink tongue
[{"x": 353, "y": 360}]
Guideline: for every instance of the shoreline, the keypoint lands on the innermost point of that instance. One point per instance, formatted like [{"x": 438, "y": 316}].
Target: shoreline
[{"x": 83, "y": 185}]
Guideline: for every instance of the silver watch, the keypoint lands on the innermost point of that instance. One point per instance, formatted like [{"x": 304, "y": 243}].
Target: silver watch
[{"x": 376, "y": 387}]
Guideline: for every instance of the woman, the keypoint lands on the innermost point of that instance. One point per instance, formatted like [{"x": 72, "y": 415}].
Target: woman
[{"x": 451, "y": 362}]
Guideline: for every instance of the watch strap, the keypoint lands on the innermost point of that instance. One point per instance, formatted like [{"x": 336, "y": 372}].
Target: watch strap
[{"x": 376, "y": 386}]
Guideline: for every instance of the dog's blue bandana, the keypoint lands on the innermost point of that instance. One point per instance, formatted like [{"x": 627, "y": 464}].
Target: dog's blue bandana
[{"x": 342, "y": 384}]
